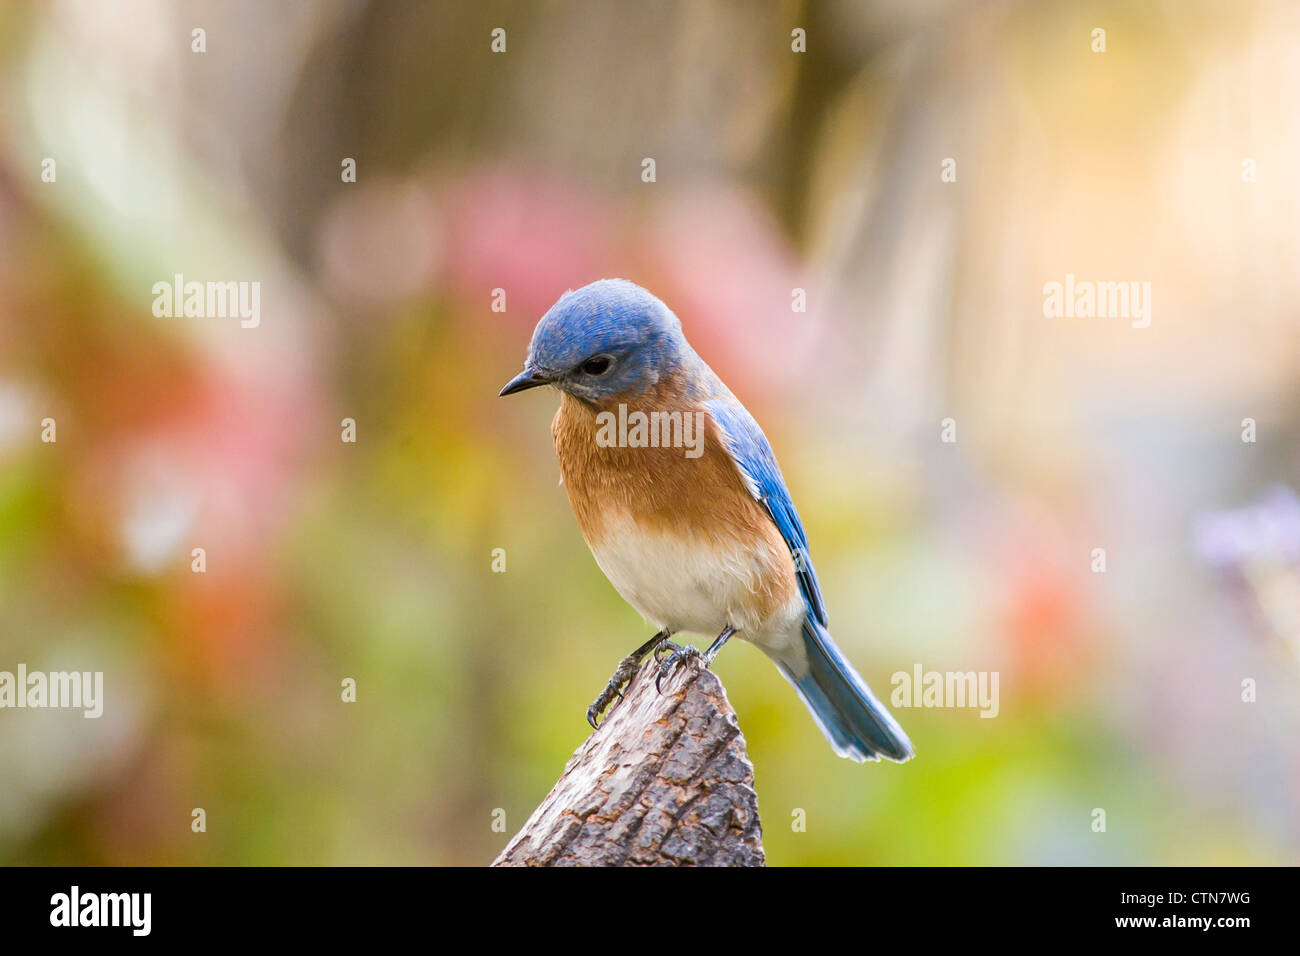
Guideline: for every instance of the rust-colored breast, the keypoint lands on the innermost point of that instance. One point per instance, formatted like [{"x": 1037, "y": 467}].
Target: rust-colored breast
[{"x": 663, "y": 490}]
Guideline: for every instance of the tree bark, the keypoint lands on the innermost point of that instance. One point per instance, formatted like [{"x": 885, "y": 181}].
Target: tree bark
[{"x": 665, "y": 781}]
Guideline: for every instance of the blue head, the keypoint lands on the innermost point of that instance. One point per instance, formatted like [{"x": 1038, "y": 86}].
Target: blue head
[{"x": 610, "y": 338}]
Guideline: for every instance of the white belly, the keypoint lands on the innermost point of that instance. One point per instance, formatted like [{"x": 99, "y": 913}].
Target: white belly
[{"x": 695, "y": 585}]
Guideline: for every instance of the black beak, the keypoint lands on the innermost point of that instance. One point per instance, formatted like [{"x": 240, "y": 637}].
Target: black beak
[{"x": 528, "y": 378}]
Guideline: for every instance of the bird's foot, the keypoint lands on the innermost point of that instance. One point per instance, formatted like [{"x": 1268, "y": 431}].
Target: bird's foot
[
  {"x": 665, "y": 646},
  {"x": 622, "y": 675},
  {"x": 679, "y": 656}
]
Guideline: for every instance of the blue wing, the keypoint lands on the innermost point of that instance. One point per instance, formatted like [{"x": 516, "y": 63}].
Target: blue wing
[{"x": 753, "y": 456}]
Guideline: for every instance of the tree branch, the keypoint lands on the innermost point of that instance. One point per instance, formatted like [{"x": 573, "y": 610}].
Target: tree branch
[{"x": 665, "y": 781}]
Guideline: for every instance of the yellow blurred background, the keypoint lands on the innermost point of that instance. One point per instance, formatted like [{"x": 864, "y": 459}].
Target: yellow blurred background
[{"x": 1169, "y": 158}]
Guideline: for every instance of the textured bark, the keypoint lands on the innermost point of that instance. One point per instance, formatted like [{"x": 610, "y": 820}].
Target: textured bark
[{"x": 665, "y": 781}]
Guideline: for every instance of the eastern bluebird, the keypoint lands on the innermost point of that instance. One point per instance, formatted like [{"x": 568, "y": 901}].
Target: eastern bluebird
[{"x": 681, "y": 501}]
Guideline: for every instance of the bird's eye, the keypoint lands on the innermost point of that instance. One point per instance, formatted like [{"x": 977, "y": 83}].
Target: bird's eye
[{"x": 597, "y": 365}]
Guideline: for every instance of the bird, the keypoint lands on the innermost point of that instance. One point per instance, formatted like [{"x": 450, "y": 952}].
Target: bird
[{"x": 679, "y": 496}]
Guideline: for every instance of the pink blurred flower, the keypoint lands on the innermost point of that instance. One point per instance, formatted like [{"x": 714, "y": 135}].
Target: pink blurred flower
[
  {"x": 529, "y": 234},
  {"x": 730, "y": 276},
  {"x": 380, "y": 243}
]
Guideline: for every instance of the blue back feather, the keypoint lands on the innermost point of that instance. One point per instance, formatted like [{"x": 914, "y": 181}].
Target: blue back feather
[{"x": 749, "y": 448}]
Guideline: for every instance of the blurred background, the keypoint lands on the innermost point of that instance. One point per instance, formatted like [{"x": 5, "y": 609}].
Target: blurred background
[{"x": 522, "y": 171}]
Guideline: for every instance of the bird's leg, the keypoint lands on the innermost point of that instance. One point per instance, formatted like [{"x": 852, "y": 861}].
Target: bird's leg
[
  {"x": 717, "y": 645},
  {"x": 681, "y": 654},
  {"x": 622, "y": 674}
]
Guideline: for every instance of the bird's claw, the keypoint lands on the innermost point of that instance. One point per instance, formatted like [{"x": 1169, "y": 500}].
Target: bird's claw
[
  {"x": 623, "y": 676},
  {"x": 669, "y": 648},
  {"x": 674, "y": 660},
  {"x": 626, "y": 669}
]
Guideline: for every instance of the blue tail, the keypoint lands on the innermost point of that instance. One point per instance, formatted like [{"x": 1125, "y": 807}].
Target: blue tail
[{"x": 856, "y": 724}]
